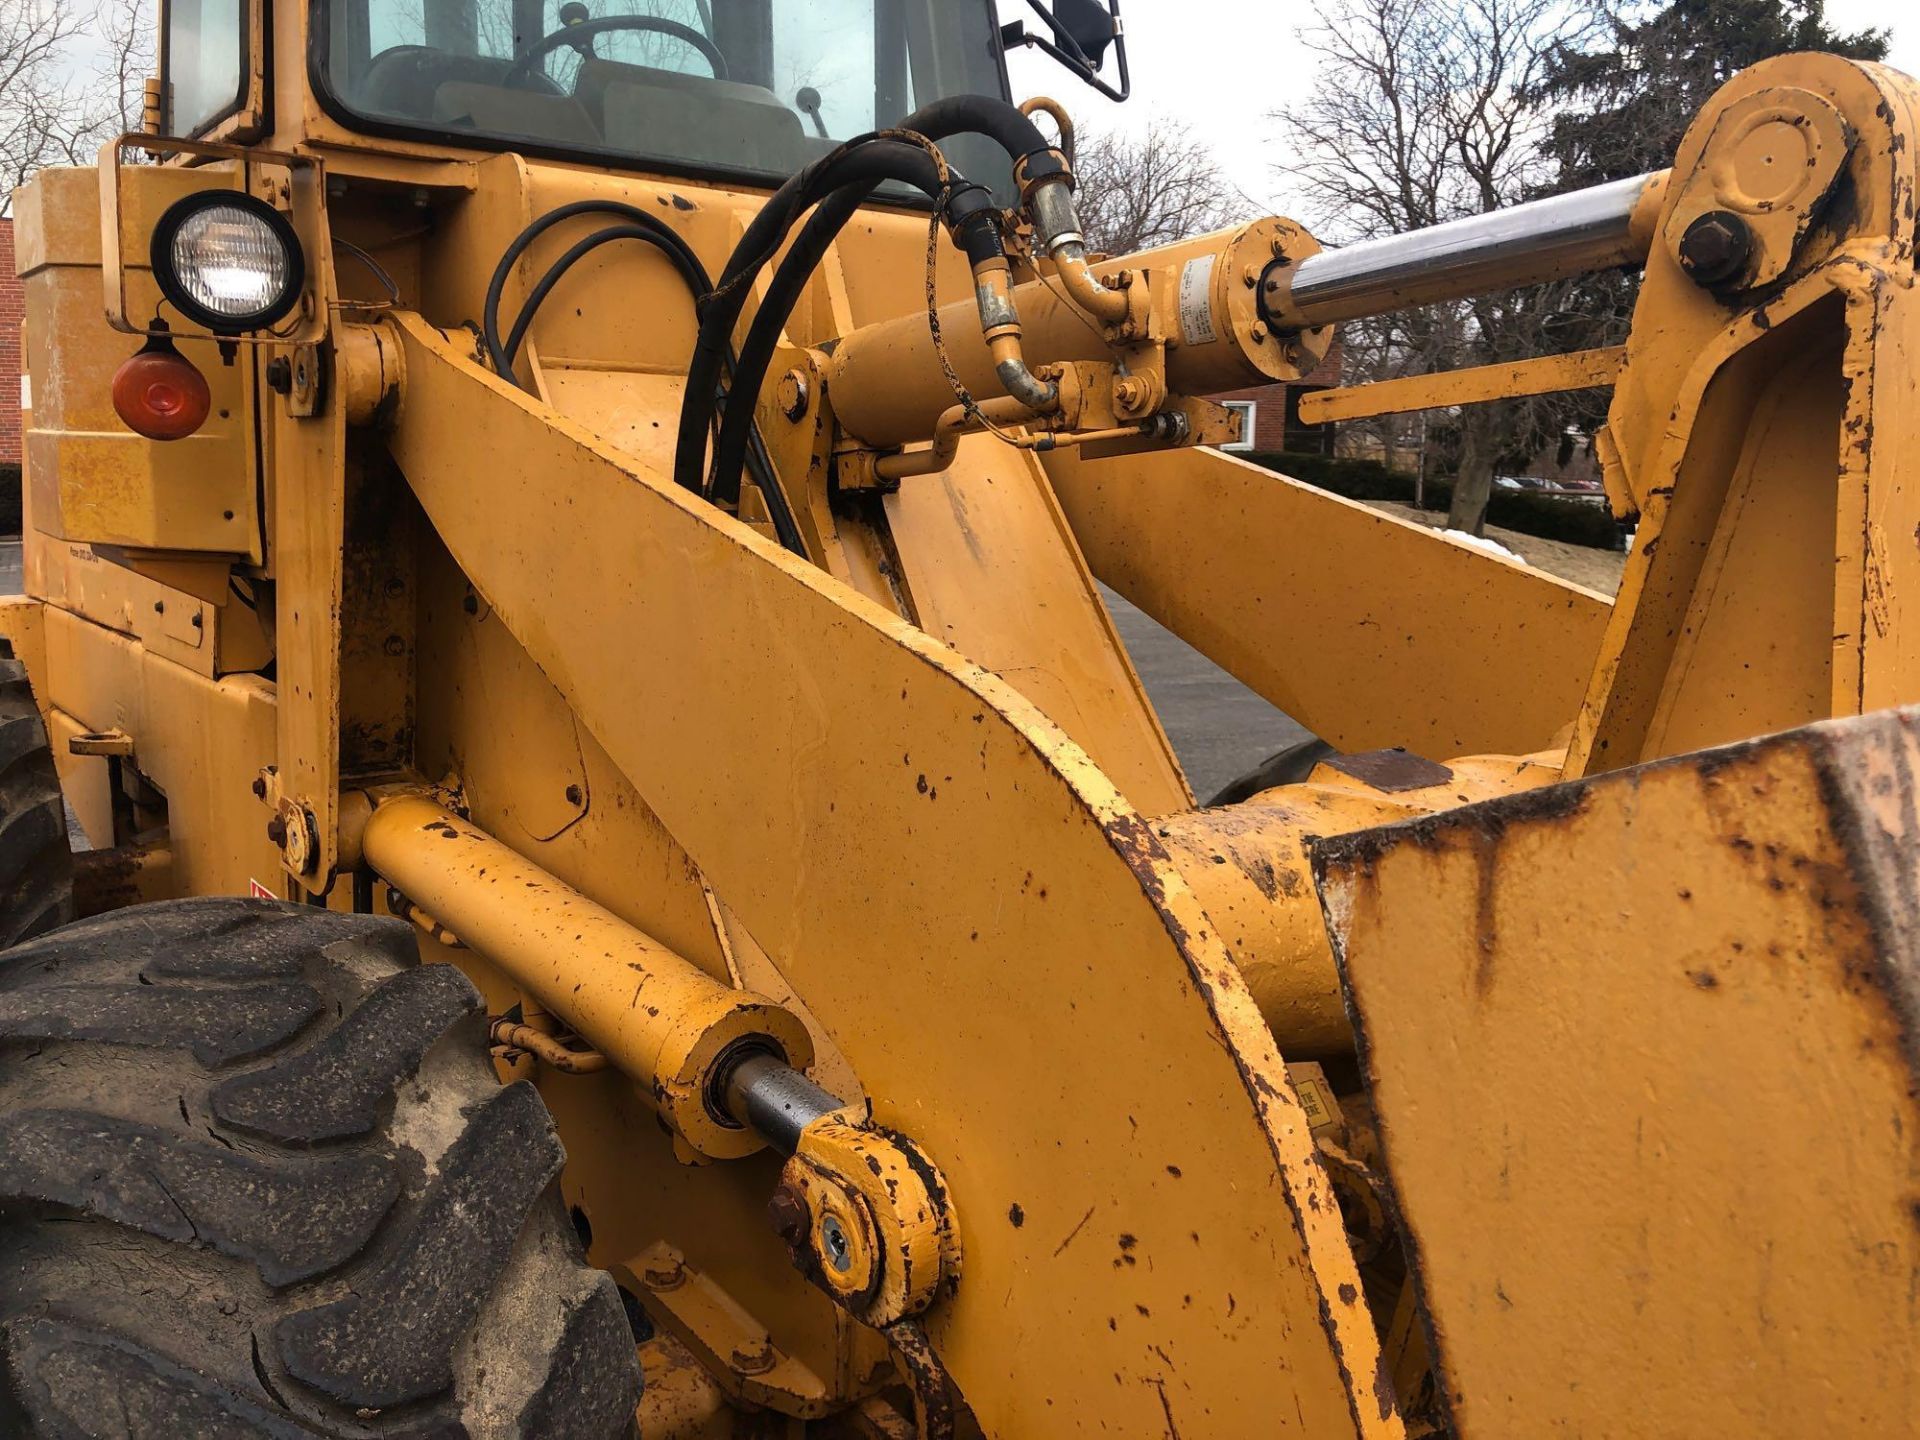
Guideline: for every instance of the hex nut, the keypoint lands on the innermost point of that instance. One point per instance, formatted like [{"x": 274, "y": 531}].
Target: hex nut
[{"x": 1716, "y": 248}]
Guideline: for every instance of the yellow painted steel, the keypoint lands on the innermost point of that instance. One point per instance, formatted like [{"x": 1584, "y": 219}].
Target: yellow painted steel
[
  {"x": 96, "y": 480},
  {"x": 1028, "y": 864},
  {"x": 1581, "y": 370},
  {"x": 995, "y": 573},
  {"x": 1248, "y": 866},
  {"x": 1641, "y": 1055},
  {"x": 891, "y": 800},
  {"x": 890, "y": 387},
  {"x": 662, "y": 1021},
  {"x": 1729, "y": 425},
  {"x": 1368, "y": 630}
]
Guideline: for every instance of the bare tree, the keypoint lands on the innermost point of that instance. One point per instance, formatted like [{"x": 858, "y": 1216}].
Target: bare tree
[
  {"x": 69, "y": 81},
  {"x": 1152, "y": 188},
  {"x": 1425, "y": 111}
]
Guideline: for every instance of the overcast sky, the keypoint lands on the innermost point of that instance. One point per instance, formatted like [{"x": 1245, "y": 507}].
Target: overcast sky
[{"x": 1225, "y": 65}]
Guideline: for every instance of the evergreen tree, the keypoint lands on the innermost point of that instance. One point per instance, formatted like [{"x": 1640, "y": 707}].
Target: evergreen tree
[{"x": 1626, "y": 104}]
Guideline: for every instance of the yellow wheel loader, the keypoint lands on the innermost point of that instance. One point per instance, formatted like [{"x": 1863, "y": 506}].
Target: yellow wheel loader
[{"x": 632, "y": 885}]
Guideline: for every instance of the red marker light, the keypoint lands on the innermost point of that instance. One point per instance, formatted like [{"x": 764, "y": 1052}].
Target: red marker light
[{"x": 159, "y": 393}]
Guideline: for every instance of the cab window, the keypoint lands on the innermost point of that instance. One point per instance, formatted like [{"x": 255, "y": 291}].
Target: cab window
[
  {"x": 748, "y": 87},
  {"x": 205, "y": 64}
]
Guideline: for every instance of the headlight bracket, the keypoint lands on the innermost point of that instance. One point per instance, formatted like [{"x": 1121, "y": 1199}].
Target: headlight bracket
[{"x": 292, "y": 186}]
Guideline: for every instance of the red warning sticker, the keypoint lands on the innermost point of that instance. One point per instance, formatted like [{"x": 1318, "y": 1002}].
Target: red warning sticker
[{"x": 259, "y": 891}]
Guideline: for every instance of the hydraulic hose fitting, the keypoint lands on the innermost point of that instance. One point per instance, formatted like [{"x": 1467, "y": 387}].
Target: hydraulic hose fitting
[
  {"x": 1048, "y": 197},
  {"x": 973, "y": 220},
  {"x": 1000, "y": 328},
  {"x": 975, "y": 226}
]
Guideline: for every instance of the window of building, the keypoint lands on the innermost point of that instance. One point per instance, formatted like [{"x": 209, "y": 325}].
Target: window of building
[{"x": 1247, "y": 410}]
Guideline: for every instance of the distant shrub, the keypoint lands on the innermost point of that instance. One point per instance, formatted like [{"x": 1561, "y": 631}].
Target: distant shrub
[
  {"x": 1529, "y": 512},
  {"x": 9, "y": 499}
]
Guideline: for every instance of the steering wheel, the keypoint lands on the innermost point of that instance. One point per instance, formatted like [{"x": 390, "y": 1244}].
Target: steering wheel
[{"x": 524, "y": 68}]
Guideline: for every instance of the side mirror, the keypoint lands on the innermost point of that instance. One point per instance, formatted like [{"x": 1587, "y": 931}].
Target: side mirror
[{"x": 1080, "y": 34}]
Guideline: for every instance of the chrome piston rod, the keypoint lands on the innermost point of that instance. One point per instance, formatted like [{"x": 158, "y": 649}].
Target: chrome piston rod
[
  {"x": 772, "y": 1099},
  {"x": 1528, "y": 244}
]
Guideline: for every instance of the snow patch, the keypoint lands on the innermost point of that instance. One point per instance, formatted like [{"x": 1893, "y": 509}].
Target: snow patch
[{"x": 1481, "y": 542}]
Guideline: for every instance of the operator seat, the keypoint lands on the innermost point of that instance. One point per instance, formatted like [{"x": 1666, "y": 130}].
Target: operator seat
[
  {"x": 667, "y": 112},
  {"x": 405, "y": 80}
]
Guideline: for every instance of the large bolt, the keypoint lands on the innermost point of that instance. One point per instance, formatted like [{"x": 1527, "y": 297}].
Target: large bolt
[
  {"x": 1716, "y": 248},
  {"x": 752, "y": 1357},
  {"x": 665, "y": 1275},
  {"x": 787, "y": 1213}
]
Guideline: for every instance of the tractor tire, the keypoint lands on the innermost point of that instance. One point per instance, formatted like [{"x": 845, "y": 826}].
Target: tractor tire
[
  {"x": 258, "y": 1178},
  {"x": 36, "y": 862}
]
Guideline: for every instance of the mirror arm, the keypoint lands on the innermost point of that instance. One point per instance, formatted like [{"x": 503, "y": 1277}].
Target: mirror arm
[{"x": 1067, "y": 52}]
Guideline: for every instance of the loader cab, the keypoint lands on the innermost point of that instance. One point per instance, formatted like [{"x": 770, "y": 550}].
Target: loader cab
[{"x": 735, "y": 91}]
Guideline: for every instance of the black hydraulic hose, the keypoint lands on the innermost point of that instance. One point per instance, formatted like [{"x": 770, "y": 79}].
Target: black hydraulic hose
[
  {"x": 695, "y": 275},
  {"x": 641, "y": 225},
  {"x": 860, "y": 166},
  {"x": 890, "y": 161},
  {"x": 989, "y": 115},
  {"x": 999, "y": 120},
  {"x": 764, "y": 234},
  {"x": 783, "y": 293},
  {"x": 662, "y": 233},
  {"x": 980, "y": 236}
]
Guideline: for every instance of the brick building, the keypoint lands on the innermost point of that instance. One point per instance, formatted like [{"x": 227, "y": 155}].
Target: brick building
[
  {"x": 13, "y": 310},
  {"x": 1274, "y": 410}
]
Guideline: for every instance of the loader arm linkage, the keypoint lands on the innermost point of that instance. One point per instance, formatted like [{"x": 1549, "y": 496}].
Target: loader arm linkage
[{"x": 711, "y": 665}]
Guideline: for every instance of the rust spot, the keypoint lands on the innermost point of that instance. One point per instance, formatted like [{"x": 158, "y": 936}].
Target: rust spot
[
  {"x": 1264, "y": 877},
  {"x": 1486, "y": 855},
  {"x": 1016, "y": 1216},
  {"x": 1348, "y": 1294},
  {"x": 1391, "y": 771},
  {"x": 1704, "y": 979}
]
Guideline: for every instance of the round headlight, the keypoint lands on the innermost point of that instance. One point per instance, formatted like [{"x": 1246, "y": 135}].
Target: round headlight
[{"x": 227, "y": 261}]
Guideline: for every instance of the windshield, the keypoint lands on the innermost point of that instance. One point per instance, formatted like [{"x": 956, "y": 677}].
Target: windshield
[{"x": 753, "y": 88}]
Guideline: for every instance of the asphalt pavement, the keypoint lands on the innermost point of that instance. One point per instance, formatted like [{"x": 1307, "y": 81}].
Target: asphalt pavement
[{"x": 1219, "y": 728}]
